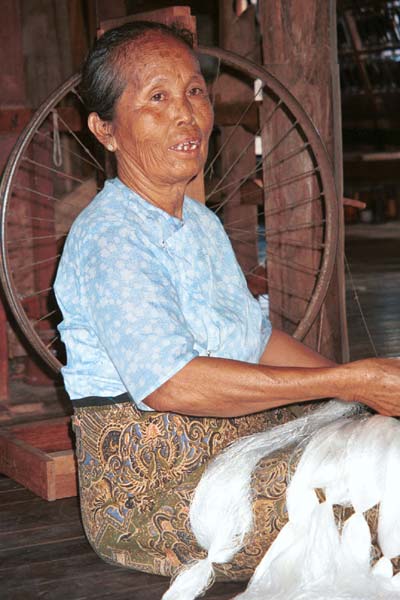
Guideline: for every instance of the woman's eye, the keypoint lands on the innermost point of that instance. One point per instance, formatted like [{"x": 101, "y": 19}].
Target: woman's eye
[
  {"x": 196, "y": 91},
  {"x": 158, "y": 97}
]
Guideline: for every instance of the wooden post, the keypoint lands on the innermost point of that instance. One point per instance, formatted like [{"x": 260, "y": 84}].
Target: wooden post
[
  {"x": 177, "y": 15},
  {"x": 46, "y": 47},
  {"x": 12, "y": 97},
  {"x": 299, "y": 47},
  {"x": 3, "y": 357},
  {"x": 237, "y": 33}
]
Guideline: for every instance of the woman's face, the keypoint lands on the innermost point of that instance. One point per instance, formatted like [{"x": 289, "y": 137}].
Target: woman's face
[{"x": 163, "y": 119}]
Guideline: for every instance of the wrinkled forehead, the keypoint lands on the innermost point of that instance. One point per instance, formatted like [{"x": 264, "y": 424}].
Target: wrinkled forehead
[{"x": 152, "y": 53}]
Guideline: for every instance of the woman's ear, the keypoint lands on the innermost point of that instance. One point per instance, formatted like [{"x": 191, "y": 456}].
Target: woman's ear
[{"x": 103, "y": 131}]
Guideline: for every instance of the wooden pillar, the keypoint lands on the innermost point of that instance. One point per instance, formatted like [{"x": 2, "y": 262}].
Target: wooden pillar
[
  {"x": 12, "y": 97},
  {"x": 12, "y": 86},
  {"x": 237, "y": 33},
  {"x": 110, "y": 10},
  {"x": 3, "y": 357},
  {"x": 299, "y": 47},
  {"x": 82, "y": 31},
  {"x": 46, "y": 47}
]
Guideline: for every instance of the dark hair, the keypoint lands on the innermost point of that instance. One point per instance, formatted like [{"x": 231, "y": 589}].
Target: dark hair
[{"x": 102, "y": 76}]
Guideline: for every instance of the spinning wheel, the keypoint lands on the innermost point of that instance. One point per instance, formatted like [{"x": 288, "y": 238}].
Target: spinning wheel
[{"x": 277, "y": 200}]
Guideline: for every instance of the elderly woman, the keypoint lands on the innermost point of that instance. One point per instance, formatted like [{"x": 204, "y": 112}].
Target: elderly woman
[{"x": 170, "y": 358}]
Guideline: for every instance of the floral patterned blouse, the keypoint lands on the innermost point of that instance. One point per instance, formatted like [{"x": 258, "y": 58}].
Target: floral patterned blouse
[{"x": 143, "y": 293}]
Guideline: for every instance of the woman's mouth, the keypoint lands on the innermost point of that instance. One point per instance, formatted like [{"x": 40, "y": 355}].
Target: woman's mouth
[{"x": 186, "y": 146}]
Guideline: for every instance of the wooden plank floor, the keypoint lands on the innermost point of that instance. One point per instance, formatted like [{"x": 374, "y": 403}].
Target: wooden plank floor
[
  {"x": 43, "y": 550},
  {"x": 373, "y": 253},
  {"x": 44, "y": 555}
]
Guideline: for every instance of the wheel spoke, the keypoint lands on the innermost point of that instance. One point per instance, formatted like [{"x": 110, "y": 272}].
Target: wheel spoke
[
  {"x": 52, "y": 341},
  {"x": 14, "y": 213},
  {"x": 291, "y": 264},
  {"x": 36, "y": 263},
  {"x": 244, "y": 150},
  {"x": 309, "y": 225},
  {"x": 296, "y": 244},
  {"x": 35, "y": 238},
  {"x": 226, "y": 200},
  {"x": 213, "y": 94},
  {"x": 288, "y": 292},
  {"x": 36, "y": 293},
  {"x": 53, "y": 170},
  {"x": 292, "y": 206},
  {"x": 44, "y": 317},
  {"x": 234, "y": 129},
  {"x": 61, "y": 201},
  {"x": 282, "y": 313},
  {"x": 46, "y": 137},
  {"x": 82, "y": 145}
]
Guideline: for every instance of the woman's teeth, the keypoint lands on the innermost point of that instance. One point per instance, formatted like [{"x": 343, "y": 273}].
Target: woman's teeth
[{"x": 186, "y": 146}]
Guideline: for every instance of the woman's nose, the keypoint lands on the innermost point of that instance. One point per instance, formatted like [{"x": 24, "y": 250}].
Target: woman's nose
[{"x": 184, "y": 111}]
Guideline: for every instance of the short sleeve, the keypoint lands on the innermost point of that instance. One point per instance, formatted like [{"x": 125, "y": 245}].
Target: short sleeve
[
  {"x": 135, "y": 312},
  {"x": 266, "y": 325}
]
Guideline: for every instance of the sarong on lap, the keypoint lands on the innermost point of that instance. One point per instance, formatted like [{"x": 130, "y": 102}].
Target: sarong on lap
[
  {"x": 138, "y": 472},
  {"x": 137, "y": 475}
]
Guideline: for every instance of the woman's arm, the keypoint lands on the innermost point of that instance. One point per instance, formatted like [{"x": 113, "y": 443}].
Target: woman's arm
[
  {"x": 227, "y": 388},
  {"x": 283, "y": 350}
]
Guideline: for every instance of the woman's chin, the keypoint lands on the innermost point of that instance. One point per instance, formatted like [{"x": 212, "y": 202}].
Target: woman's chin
[{"x": 185, "y": 172}]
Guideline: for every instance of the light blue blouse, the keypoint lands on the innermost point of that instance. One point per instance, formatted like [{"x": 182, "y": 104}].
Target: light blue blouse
[{"x": 143, "y": 293}]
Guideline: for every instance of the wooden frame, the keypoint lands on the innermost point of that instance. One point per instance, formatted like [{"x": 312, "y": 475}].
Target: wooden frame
[{"x": 40, "y": 456}]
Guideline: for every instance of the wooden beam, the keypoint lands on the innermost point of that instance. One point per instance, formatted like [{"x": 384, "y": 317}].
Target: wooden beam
[
  {"x": 372, "y": 171},
  {"x": 46, "y": 47},
  {"x": 12, "y": 65},
  {"x": 80, "y": 32},
  {"x": 372, "y": 156},
  {"x": 12, "y": 95},
  {"x": 40, "y": 456},
  {"x": 358, "y": 57},
  {"x": 237, "y": 33},
  {"x": 299, "y": 47},
  {"x": 172, "y": 15},
  {"x": 110, "y": 10},
  {"x": 356, "y": 122},
  {"x": 4, "y": 390}
]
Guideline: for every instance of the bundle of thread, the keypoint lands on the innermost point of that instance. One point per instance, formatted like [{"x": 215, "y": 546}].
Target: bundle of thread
[{"x": 354, "y": 459}]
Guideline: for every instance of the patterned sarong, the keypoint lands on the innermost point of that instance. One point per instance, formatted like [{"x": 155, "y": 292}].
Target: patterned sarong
[{"x": 137, "y": 474}]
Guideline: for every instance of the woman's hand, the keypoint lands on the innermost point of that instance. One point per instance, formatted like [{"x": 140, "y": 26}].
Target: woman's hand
[{"x": 374, "y": 382}]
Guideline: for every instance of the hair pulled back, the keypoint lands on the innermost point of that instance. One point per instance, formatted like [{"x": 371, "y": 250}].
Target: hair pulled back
[{"x": 103, "y": 75}]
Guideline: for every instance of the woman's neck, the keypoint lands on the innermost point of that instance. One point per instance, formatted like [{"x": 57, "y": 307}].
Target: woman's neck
[{"x": 167, "y": 197}]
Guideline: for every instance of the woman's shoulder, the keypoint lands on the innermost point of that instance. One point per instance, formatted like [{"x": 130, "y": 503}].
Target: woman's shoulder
[
  {"x": 111, "y": 224},
  {"x": 105, "y": 216},
  {"x": 209, "y": 225},
  {"x": 105, "y": 207},
  {"x": 199, "y": 211}
]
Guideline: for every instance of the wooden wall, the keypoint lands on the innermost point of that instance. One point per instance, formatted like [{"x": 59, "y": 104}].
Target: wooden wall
[
  {"x": 13, "y": 98},
  {"x": 299, "y": 47}
]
